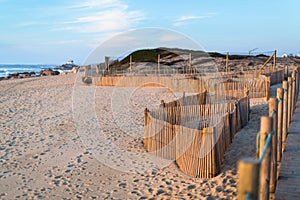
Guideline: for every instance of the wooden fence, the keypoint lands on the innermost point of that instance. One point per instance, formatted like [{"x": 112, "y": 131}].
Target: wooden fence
[
  {"x": 196, "y": 99},
  {"x": 195, "y": 136},
  {"x": 258, "y": 178},
  {"x": 258, "y": 87},
  {"x": 224, "y": 82},
  {"x": 174, "y": 83}
]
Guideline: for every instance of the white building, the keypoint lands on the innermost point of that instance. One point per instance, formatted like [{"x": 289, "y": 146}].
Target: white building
[{"x": 70, "y": 62}]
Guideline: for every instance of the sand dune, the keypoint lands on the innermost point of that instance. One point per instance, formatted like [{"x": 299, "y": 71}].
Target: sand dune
[{"x": 42, "y": 154}]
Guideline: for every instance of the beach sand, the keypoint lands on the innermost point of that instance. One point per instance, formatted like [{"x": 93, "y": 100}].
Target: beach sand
[{"x": 43, "y": 154}]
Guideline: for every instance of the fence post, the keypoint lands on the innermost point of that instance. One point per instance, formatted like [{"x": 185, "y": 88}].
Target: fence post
[
  {"x": 248, "y": 175},
  {"x": 213, "y": 153},
  {"x": 85, "y": 71},
  {"x": 246, "y": 94},
  {"x": 268, "y": 81},
  {"x": 279, "y": 96},
  {"x": 227, "y": 69},
  {"x": 264, "y": 186},
  {"x": 273, "y": 178},
  {"x": 293, "y": 91},
  {"x": 289, "y": 101},
  {"x": 158, "y": 63},
  {"x": 162, "y": 103},
  {"x": 297, "y": 81},
  {"x": 285, "y": 110},
  {"x": 145, "y": 117}
]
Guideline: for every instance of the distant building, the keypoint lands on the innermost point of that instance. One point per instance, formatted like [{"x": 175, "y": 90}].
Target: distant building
[
  {"x": 70, "y": 62},
  {"x": 285, "y": 55},
  {"x": 297, "y": 55}
]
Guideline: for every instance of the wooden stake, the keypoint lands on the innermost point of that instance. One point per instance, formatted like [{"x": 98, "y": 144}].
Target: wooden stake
[
  {"x": 85, "y": 71},
  {"x": 130, "y": 62},
  {"x": 158, "y": 62},
  {"x": 273, "y": 177},
  {"x": 285, "y": 110},
  {"x": 290, "y": 101},
  {"x": 293, "y": 92},
  {"x": 227, "y": 69},
  {"x": 248, "y": 175},
  {"x": 279, "y": 96},
  {"x": 265, "y": 129},
  {"x": 268, "y": 81},
  {"x": 145, "y": 117},
  {"x": 274, "y": 61},
  {"x": 267, "y": 61},
  {"x": 190, "y": 62}
]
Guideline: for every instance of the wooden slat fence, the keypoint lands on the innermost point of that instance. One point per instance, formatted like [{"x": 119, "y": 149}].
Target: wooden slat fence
[
  {"x": 258, "y": 177},
  {"x": 196, "y": 136}
]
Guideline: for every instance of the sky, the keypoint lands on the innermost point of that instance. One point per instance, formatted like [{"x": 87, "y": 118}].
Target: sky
[{"x": 51, "y": 32}]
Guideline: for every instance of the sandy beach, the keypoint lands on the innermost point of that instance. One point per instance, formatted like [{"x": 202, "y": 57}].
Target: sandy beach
[{"x": 44, "y": 155}]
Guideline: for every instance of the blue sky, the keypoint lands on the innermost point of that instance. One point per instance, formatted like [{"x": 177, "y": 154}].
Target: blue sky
[{"x": 35, "y": 31}]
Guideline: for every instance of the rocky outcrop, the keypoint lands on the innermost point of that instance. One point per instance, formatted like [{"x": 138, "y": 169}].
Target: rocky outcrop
[{"x": 49, "y": 72}]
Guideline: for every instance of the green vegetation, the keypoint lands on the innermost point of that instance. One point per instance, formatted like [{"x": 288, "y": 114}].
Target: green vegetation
[{"x": 150, "y": 55}]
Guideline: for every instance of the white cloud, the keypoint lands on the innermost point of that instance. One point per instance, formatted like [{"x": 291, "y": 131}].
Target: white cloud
[
  {"x": 94, "y": 4},
  {"x": 94, "y": 16},
  {"x": 170, "y": 38},
  {"x": 61, "y": 42},
  {"x": 182, "y": 20}
]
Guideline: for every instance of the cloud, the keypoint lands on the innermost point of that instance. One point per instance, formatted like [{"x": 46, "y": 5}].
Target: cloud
[
  {"x": 63, "y": 42},
  {"x": 183, "y": 20},
  {"x": 94, "y": 16},
  {"x": 170, "y": 38},
  {"x": 95, "y": 4}
]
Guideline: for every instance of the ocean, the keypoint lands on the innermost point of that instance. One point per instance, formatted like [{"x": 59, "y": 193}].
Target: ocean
[{"x": 7, "y": 69}]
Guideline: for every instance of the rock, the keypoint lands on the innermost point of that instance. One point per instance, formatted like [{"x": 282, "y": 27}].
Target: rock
[
  {"x": 64, "y": 73},
  {"x": 87, "y": 80},
  {"x": 75, "y": 70},
  {"x": 48, "y": 72},
  {"x": 15, "y": 74}
]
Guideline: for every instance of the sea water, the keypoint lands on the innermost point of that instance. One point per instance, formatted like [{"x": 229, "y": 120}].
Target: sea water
[{"x": 7, "y": 69}]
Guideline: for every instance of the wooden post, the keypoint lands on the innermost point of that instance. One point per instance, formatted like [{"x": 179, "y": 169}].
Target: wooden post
[
  {"x": 213, "y": 163},
  {"x": 162, "y": 103},
  {"x": 97, "y": 69},
  {"x": 265, "y": 129},
  {"x": 227, "y": 69},
  {"x": 190, "y": 62},
  {"x": 158, "y": 63},
  {"x": 285, "y": 110},
  {"x": 130, "y": 62},
  {"x": 297, "y": 81},
  {"x": 279, "y": 96},
  {"x": 293, "y": 91},
  {"x": 268, "y": 81},
  {"x": 145, "y": 117},
  {"x": 273, "y": 177},
  {"x": 289, "y": 101},
  {"x": 246, "y": 94},
  {"x": 107, "y": 63},
  {"x": 248, "y": 175},
  {"x": 85, "y": 71},
  {"x": 265, "y": 63},
  {"x": 274, "y": 62}
]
